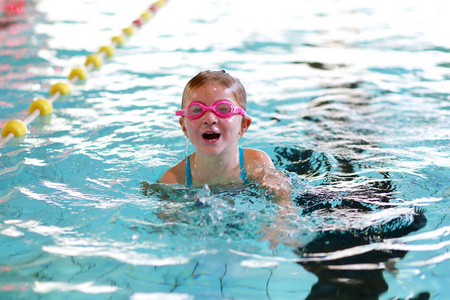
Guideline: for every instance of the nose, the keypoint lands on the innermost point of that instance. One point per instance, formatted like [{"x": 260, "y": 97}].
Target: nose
[{"x": 209, "y": 118}]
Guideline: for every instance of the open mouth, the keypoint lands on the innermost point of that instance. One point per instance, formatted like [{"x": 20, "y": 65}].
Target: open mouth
[{"x": 210, "y": 136}]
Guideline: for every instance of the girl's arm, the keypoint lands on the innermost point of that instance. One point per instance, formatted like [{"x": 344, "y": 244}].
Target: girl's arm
[{"x": 261, "y": 169}]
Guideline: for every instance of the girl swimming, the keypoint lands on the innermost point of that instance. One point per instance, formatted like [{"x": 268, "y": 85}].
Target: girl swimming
[{"x": 213, "y": 117}]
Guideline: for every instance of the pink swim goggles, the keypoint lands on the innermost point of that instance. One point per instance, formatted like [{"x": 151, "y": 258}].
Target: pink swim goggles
[{"x": 222, "y": 109}]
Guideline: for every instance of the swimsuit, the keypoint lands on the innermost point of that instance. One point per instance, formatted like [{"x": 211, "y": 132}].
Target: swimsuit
[{"x": 243, "y": 173}]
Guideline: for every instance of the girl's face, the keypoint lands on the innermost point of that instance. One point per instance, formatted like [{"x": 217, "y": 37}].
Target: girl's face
[{"x": 211, "y": 134}]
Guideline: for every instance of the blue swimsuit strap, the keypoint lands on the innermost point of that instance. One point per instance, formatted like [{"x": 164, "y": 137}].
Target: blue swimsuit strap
[
  {"x": 242, "y": 163},
  {"x": 243, "y": 173},
  {"x": 188, "y": 172}
]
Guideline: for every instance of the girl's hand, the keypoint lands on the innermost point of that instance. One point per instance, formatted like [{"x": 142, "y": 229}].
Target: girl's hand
[{"x": 279, "y": 233}]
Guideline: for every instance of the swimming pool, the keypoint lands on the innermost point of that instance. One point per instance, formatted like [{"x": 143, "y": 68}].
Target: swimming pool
[{"x": 350, "y": 99}]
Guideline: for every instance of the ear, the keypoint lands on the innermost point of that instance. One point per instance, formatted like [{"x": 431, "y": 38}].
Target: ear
[
  {"x": 183, "y": 127},
  {"x": 246, "y": 121}
]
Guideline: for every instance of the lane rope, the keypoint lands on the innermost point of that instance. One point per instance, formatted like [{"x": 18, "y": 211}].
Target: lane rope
[{"x": 42, "y": 106}]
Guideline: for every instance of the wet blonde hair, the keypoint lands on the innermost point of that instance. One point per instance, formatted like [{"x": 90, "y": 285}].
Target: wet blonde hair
[{"x": 216, "y": 77}]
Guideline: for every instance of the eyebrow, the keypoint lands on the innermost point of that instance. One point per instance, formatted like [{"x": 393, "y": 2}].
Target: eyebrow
[{"x": 214, "y": 102}]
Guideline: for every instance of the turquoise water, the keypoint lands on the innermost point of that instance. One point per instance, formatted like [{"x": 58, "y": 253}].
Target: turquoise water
[{"x": 350, "y": 99}]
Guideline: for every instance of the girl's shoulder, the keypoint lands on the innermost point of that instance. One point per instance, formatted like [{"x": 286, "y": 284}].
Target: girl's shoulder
[
  {"x": 256, "y": 156},
  {"x": 176, "y": 174}
]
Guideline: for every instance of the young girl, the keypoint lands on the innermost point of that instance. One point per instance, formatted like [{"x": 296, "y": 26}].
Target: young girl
[{"x": 213, "y": 117}]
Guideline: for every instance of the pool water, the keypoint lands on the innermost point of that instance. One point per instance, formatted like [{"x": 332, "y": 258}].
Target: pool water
[{"x": 350, "y": 100}]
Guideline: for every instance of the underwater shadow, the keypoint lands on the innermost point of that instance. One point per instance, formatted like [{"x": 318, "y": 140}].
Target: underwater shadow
[
  {"x": 349, "y": 188},
  {"x": 349, "y": 275}
]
